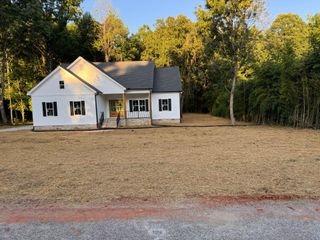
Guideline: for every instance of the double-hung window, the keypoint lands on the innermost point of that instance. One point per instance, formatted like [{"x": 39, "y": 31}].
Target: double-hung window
[
  {"x": 141, "y": 105},
  {"x": 77, "y": 108},
  {"x": 165, "y": 105},
  {"x": 49, "y": 109}
]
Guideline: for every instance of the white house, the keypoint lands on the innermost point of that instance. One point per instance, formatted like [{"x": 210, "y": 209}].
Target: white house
[{"x": 86, "y": 95}]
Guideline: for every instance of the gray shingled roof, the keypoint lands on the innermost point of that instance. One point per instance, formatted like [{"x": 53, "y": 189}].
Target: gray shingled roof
[
  {"x": 139, "y": 75},
  {"x": 131, "y": 75},
  {"x": 167, "y": 79}
]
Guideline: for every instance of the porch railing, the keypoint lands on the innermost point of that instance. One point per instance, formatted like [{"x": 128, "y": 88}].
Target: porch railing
[
  {"x": 138, "y": 114},
  {"x": 101, "y": 120}
]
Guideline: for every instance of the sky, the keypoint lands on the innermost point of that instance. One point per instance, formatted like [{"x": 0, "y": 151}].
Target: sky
[{"x": 135, "y": 13}]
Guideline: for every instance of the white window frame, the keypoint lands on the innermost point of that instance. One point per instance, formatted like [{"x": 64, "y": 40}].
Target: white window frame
[
  {"x": 50, "y": 110},
  {"x": 139, "y": 105},
  {"x": 61, "y": 84},
  {"x": 135, "y": 105},
  {"x": 165, "y": 104},
  {"x": 77, "y": 108}
]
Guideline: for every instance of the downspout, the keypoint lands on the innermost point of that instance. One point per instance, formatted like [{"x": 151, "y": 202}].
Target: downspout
[
  {"x": 181, "y": 106},
  {"x": 150, "y": 105},
  {"x": 95, "y": 101}
]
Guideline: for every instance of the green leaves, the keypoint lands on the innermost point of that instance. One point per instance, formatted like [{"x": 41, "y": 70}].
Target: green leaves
[{"x": 112, "y": 38}]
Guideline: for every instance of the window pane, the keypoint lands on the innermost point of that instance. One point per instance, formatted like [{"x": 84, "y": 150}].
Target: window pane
[
  {"x": 49, "y": 105},
  {"x": 49, "y": 109},
  {"x": 165, "y": 105},
  {"x": 61, "y": 83},
  {"x": 135, "y": 105},
  {"x": 77, "y": 108},
  {"x": 142, "y": 105}
]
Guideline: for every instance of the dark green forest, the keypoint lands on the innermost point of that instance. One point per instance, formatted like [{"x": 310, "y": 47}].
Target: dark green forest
[{"x": 270, "y": 73}]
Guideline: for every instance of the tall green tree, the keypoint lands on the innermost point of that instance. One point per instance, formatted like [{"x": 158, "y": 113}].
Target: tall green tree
[
  {"x": 177, "y": 42},
  {"x": 112, "y": 38},
  {"x": 87, "y": 32},
  {"x": 287, "y": 29},
  {"x": 8, "y": 22},
  {"x": 231, "y": 23}
]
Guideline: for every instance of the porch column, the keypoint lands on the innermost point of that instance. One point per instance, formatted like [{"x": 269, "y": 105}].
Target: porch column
[
  {"x": 150, "y": 106},
  {"x": 124, "y": 99}
]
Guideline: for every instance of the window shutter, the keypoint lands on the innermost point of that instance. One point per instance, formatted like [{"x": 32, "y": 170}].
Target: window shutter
[
  {"x": 160, "y": 105},
  {"x": 131, "y": 107},
  {"x": 71, "y": 109},
  {"x": 169, "y": 100},
  {"x": 44, "y": 112},
  {"x": 147, "y": 105},
  {"x": 55, "y": 110},
  {"x": 83, "y": 110}
]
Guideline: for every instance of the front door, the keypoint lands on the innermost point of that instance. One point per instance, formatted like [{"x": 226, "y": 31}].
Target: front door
[{"x": 115, "y": 107}]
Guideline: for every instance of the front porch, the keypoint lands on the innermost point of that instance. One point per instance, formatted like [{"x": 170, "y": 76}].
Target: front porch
[{"x": 134, "y": 109}]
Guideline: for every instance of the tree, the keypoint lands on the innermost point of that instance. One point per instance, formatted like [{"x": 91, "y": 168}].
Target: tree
[
  {"x": 165, "y": 43},
  {"x": 112, "y": 38},
  {"x": 287, "y": 29},
  {"x": 87, "y": 32},
  {"x": 8, "y": 12},
  {"x": 177, "y": 42},
  {"x": 231, "y": 23}
]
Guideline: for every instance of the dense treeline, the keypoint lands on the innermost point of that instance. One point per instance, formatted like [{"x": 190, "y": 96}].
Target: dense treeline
[{"x": 274, "y": 73}]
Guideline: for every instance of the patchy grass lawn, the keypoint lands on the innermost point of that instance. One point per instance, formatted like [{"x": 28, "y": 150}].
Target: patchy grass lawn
[{"x": 169, "y": 163}]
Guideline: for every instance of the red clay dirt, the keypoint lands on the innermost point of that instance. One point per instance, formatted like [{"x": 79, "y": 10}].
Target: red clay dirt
[{"x": 124, "y": 210}]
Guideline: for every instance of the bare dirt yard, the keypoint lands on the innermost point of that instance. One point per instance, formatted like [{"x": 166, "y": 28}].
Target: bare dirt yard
[{"x": 174, "y": 163}]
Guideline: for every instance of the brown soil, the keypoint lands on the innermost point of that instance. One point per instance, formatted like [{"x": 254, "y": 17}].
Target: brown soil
[
  {"x": 195, "y": 119},
  {"x": 90, "y": 168}
]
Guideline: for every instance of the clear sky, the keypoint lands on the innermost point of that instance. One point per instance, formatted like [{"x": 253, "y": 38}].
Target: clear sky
[{"x": 135, "y": 13}]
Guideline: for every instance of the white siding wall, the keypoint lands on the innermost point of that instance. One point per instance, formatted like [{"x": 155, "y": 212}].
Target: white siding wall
[
  {"x": 175, "y": 104},
  {"x": 63, "y": 106},
  {"x": 101, "y": 106},
  {"x": 96, "y": 78},
  {"x": 74, "y": 90}
]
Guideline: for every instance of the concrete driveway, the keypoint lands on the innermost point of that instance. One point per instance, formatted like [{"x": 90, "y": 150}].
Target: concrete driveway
[{"x": 263, "y": 220}]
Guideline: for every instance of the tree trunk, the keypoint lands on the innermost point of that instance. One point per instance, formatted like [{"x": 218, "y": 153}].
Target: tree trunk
[
  {"x": 9, "y": 94},
  {"x": 2, "y": 108},
  {"x": 23, "y": 119},
  {"x": 106, "y": 55},
  {"x": 234, "y": 82},
  {"x": 22, "y": 112}
]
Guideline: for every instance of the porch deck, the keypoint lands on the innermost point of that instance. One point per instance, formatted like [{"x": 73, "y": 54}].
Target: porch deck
[{"x": 127, "y": 119}]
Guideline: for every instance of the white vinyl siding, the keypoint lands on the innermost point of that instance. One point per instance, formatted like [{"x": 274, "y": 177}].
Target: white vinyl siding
[{"x": 165, "y": 106}]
